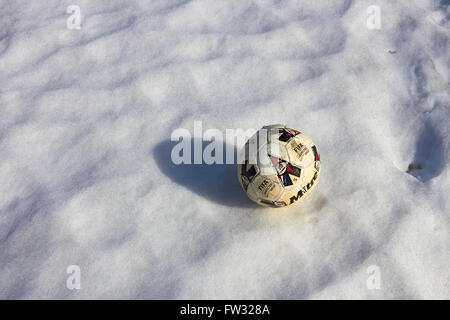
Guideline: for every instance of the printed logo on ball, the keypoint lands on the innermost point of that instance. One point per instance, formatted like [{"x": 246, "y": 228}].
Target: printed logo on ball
[
  {"x": 300, "y": 150},
  {"x": 305, "y": 189},
  {"x": 266, "y": 187}
]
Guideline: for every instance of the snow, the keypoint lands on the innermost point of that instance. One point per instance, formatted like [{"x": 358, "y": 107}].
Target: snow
[{"x": 87, "y": 180}]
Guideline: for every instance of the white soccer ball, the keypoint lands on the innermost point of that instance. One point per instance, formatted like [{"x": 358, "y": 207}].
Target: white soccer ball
[{"x": 278, "y": 166}]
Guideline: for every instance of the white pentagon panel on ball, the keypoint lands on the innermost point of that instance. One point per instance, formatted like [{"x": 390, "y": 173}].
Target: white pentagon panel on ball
[
  {"x": 300, "y": 152},
  {"x": 267, "y": 187}
]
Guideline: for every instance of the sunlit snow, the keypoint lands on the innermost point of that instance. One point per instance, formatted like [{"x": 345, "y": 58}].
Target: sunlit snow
[{"x": 86, "y": 178}]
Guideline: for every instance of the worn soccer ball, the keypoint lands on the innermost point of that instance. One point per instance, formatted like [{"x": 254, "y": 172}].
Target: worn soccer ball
[{"x": 278, "y": 166}]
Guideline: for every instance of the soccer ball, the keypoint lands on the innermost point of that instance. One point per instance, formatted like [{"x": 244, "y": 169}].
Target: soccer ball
[{"x": 278, "y": 166}]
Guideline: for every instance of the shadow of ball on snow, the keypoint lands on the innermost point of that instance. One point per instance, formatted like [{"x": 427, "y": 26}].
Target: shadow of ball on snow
[{"x": 216, "y": 182}]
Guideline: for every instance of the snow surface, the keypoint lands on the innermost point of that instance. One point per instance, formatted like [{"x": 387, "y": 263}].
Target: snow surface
[{"x": 85, "y": 171}]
